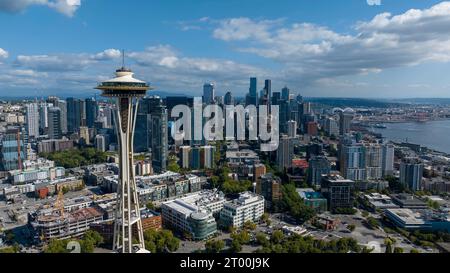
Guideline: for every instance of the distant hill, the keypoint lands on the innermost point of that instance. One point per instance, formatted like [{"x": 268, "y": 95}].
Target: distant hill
[{"x": 354, "y": 102}]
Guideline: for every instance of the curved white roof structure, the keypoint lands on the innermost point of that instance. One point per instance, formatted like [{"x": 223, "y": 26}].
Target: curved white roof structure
[{"x": 125, "y": 76}]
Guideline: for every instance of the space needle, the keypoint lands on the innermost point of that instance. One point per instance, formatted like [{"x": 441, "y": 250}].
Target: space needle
[{"x": 126, "y": 90}]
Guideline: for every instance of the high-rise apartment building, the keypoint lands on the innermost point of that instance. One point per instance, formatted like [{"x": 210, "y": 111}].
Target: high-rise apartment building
[
  {"x": 54, "y": 123},
  {"x": 388, "y": 159},
  {"x": 208, "y": 93},
  {"x": 345, "y": 120},
  {"x": 285, "y": 153},
  {"x": 318, "y": 166},
  {"x": 32, "y": 119},
  {"x": 352, "y": 161},
  {"x": 411, "y": 173}
]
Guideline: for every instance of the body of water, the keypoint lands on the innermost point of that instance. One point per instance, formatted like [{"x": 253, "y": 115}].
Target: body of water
[{"x": 433, "y": 134}]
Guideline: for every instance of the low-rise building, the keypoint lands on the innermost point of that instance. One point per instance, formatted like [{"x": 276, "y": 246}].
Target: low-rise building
[
  {"x": 377, "y": 201},
  {"x": 194, "y": 214},
  {"x": 426, "y": 220},
  {"x": 248, "y": 207},
  {"x": 408, "y": 201},
  {"x": 313, "y": 199}
]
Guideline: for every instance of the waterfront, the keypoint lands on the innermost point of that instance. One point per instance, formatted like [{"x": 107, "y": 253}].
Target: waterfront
[{"x": 432, "y": 134}]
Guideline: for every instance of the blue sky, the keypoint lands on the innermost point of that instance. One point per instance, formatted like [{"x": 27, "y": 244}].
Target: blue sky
[{"x": 349, "y": 48}]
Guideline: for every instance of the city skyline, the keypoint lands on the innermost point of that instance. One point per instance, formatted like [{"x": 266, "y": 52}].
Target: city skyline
[{"x": 361, "y": 49}]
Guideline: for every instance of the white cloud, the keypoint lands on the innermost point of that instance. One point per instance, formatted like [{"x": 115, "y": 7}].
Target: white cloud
[
  {"x": 107, "y": 54},
  {"x": 170, "y": 69},
  {"x": 374, "y": 2},
  {"x": 66, "y": 7},
  {"x": 28, "y": 73},
  {"x": 309, "y": 52},
  {"x": 64, "y": 61},
  {"x": 244, "y": 28},
  {"x": 3, "y": 54}
]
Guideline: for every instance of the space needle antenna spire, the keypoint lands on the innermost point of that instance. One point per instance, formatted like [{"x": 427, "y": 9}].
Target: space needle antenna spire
[{"x": 123, "y": 58}]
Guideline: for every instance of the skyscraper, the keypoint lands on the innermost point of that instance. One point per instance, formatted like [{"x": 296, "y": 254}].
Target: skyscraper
[
  {"x": 345, "y": 120},
  {"x": 411, "y": 173},
  {"x": 12, "y": 149},
  {"x": 91, "y": 112},
  {"x": 318, "y": 166},
  {"x": 43, "y": 118},
  {"x": 352, "y": 161},
  {"x": 331, "y": 127},
  {"x": 184, "y": 156},
  {"x": 100, "y": 142},
  {"x": 373, "y": 161},
  {"x": 207, "y": 157},
  {"x": 73, "y": 114},
  {"x": 84, "y": 135},
  {"x": 208, "y": 93},
  {"x": 285, "y": 153},
  {"x": 54, "y": 123},
  {"x": 388, "y": 159},
  {"x": 32, "y": 119},
  {"x": 127, "y": 91},
  {"x": 292, "y": 128},
  {"x": 285, "y": 93},
  {"x": 268, "y": 93},
  {"x": 61, "y": 104},
  {"x": 252, "y": 96},
  {"x": 229, "y": 100},
  {"x": 151, "y": 132},
  {"x": 159, "y": 137}
]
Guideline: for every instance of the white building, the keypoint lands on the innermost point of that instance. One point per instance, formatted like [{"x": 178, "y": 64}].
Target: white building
[
  {"x": 285, "y": 153},
  {"x": 193, "y": 214},
  {"x": 292, "y": 128},
  {"x": 208, "y": 156},
  {"x": 32, "y": 119},
  {"x": 184, "y": 156},
  {"x": 100, "y": 143},
  {"x": 23, "y": 177},
  {"x": 248, "y": 207}
]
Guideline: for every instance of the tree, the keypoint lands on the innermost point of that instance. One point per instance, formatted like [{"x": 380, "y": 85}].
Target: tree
[
  {"x": 262, "y": 240},
  {"x": 56, "y": 246},
  {"x": 351, "y": 228},
  {"x": 415, "y": 251},
  {"x": 236, "y": 247},
  {"x": 214, "y": 246},
  {"x": 398, "y": 250},
  {"x": 277, "y": 237},
  {"x": 91, "y": 240},
  {"x": 292, "y": 202},
  {"x": 150, "y": 205},
  {"x": 372, "y": 222},
  {"x": 249, "y": 225},
  {"x": 265, "y": 217},
  {"x": 242, "y": 237},
  {"x": 173, "y": 166},
  {"x": 160, "y": 241},
  {"x": 388, "y": 242},
  {"x": 364, "y": 214},
  {"x": 214, "y": 181},
  {"x": 231, "y": 186}
]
